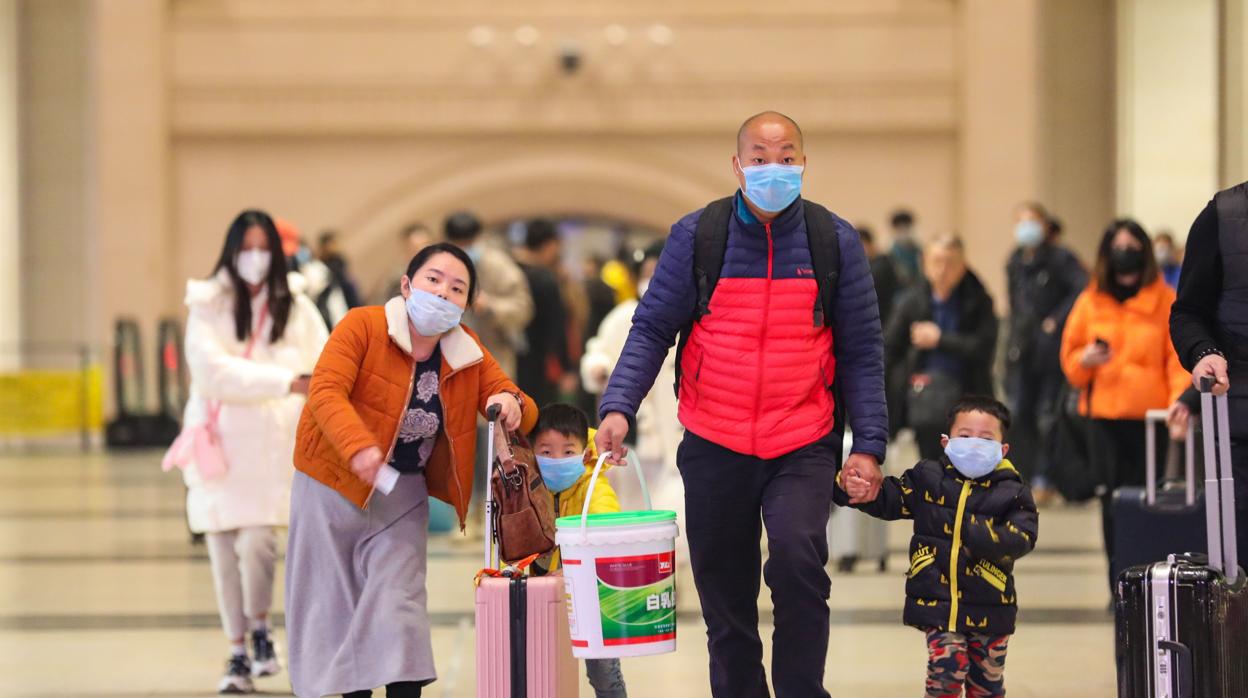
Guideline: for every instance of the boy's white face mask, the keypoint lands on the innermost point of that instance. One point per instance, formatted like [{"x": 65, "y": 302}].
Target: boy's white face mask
[{"x": 974, "y": 457}]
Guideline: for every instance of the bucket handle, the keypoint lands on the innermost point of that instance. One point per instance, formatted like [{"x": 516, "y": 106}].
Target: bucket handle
[{"x": 593, "y": 481}]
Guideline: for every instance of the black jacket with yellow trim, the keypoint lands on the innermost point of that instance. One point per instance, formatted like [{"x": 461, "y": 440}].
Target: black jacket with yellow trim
[{"x": 989, "y": 522}]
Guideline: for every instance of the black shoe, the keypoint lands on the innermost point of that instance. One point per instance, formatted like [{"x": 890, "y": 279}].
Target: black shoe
[
  {"x": 237, "y": 677},
  {"x": 264, "y": 655},
  {"x": 845, "y": 564}
]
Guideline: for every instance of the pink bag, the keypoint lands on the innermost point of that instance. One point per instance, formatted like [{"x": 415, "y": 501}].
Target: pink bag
[{"x": 201, "y": 443}]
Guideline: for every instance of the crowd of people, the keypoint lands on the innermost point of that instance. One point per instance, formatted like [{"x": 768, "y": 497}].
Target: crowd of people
[{"x": 784, "y": 332}]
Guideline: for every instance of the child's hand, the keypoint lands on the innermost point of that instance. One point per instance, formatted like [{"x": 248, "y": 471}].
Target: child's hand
[{"x": 856, "y": 487}]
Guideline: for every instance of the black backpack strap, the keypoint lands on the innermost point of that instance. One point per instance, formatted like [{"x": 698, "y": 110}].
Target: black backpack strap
[
  {"x": 710, "y": 241},
  {"x": 825, "y": 257}
]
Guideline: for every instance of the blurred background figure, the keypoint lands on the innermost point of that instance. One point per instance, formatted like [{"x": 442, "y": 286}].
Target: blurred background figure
[
  {"x": 886, "y": 286},
  {"x": 941, "y": 336},
  {"x": 1116, "y": 351},
  {"x": 1169, "y": 257},
  {"x": 413, "y": 238},
  {"x": 503, "y": 307},
  {"x": 1044, "y": 279},
  {"x": 339, "y": 293},
  {"x": 907, "y": 251},
  {"x": 544, "y": 366},
  {"x": 252, "y": 340}
]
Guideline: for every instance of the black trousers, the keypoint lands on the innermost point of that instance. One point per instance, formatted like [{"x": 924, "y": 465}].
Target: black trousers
[
  {"x": 1118, "y": 445},
  {"x": 729, "y": 499},
  {"x": 1032, "y": 395},
  {"x": 399, "y": 689}
]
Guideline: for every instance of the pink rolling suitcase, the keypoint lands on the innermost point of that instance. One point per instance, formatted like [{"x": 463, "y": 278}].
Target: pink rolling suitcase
[{"x": 524, "y": 649}]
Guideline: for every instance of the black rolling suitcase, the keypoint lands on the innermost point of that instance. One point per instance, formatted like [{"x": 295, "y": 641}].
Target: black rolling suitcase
[
  {"x": 1152, "y": 523},
  {"x": 1180, "y": 622}
]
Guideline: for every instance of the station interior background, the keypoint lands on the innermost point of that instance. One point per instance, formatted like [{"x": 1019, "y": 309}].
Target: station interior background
[{"x": 133, "y": 131}]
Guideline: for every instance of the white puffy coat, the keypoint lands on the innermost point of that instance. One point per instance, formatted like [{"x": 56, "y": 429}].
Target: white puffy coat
[{"x": 258, "y": 413}]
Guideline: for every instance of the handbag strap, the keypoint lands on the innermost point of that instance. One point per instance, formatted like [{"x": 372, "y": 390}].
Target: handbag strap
[{"x": 214, "y": 406}]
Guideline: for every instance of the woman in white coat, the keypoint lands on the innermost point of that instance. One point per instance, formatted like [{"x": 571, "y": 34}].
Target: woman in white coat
[
  {"x": 252, "y": 340},
  {"x": 658, "y": 429}
]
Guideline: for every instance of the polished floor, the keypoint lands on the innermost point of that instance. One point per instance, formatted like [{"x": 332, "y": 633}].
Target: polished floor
[{"x": 101, "y": 594}]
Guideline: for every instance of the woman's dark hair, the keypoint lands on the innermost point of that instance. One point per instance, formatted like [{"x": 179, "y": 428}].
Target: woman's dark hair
[
  {"x": 565, "y": 419},
  {"x": 1103, "y": 275},
  {"x": 279, "y": 291},
  {"x": 979, "y": 403},
  {"x": 427, "y": 253}
]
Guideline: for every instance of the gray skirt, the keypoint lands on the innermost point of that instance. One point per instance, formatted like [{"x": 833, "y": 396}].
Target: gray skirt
[{"x": 356, "y": 604}]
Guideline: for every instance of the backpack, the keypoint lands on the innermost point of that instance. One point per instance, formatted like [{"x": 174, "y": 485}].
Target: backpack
[{"x": 710, "y": 242}]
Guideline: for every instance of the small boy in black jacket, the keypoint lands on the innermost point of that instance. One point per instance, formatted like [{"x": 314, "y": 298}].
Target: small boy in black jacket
[{"x": 973, "y": 517}]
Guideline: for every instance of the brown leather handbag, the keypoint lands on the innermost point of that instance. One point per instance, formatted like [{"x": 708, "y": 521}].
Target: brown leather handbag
[{"x": 523, "y": 510}]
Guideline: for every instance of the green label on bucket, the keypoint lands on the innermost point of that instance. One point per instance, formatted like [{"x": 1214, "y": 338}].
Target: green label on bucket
[{"x": 637, "y": 598}]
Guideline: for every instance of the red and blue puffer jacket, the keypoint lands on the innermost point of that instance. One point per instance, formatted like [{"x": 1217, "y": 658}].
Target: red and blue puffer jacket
[{"x": 756, "y": 373}]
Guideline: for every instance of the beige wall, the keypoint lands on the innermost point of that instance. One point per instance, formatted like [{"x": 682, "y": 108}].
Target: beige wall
[
  {"x": 1234, "y": 22},
  {"x": 1077, "y": 167},
  {"x": 1168, "y": 149},
  {"x": 57, "y": 258},
  {"x": 166, "y": 118},
  {"x": 10, "y": 193}
]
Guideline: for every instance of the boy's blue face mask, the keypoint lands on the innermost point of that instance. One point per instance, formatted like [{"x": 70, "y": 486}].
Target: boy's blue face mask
[
  {"x": 561, "y": 473},
  {"x": 974, "y": 457}
]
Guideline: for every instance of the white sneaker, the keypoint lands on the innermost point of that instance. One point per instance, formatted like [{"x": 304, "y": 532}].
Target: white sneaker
[
  {"x": 237, "y": 677},
  {"x": 264, "y": 653}
]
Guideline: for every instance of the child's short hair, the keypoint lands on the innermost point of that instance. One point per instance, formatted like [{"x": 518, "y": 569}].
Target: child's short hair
[
  {"x": 980, "y": 403},
  {"x": 566, "y": 419}
]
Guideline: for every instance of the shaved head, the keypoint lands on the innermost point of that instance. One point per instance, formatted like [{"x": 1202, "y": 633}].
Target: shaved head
[{"x": 767, "y": 117}]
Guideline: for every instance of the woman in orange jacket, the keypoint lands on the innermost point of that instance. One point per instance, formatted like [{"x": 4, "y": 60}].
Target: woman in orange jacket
[
  {"x": 1116, "y": 351},
  {"x": 390, "y": 421}
]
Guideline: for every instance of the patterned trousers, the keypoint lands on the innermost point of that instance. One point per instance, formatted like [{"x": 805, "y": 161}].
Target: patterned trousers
[{"x": 974, "y": 660}]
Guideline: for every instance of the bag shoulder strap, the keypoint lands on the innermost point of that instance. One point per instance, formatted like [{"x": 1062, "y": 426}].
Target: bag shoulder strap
[
  {"x": 825, "y": 257},
  {"x": 710, "y": 241}
]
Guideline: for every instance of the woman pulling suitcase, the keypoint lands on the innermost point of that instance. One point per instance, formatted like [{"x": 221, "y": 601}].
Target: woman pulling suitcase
[{"x": 398, "y": 388}]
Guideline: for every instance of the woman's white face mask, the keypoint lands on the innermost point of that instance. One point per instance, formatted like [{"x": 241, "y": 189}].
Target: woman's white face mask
[{"x": 253, "y": 265}]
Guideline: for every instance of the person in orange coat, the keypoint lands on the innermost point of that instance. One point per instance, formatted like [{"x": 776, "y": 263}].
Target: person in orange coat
[
  {"x": 390, "y": 420},
  {"x": 1116, "y": 351}
]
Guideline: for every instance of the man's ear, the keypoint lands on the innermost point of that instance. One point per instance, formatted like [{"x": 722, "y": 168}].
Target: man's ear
[
  {"x": 944, "y": 440},
  {"x": 1005, "y": 450}
]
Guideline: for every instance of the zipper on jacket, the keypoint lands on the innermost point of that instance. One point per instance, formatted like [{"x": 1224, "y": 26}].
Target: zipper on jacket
[
  {"x": 411, "y": 385},
  {"x": 953, "y": 557},
  {"x": 450, "y": 443},
  {"x": 762, "y": 344}
]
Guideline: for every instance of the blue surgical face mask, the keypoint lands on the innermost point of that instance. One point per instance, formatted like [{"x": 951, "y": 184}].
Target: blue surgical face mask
[
  {"x": 773, "y": 187},
  {"x": 974, "y": 457},
  {"x": 1029, "y": 233},
  {"x": 432, "y": 315},
  {"x": 561, "y": 473}
]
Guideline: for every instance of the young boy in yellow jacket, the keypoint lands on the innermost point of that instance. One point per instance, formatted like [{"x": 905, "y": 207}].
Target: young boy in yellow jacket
[{"x": 562, "y": 441}]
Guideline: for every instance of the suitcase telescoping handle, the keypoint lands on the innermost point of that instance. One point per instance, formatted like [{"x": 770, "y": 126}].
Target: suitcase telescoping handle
[
  {"x": 492, "y": 414},
  {"x": 1151, "y": 418},
  {"x": 1219, "y": 482}
]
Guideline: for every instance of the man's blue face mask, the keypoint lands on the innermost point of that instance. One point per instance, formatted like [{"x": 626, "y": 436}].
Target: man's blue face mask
[{"x": 773, "y": 187}]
